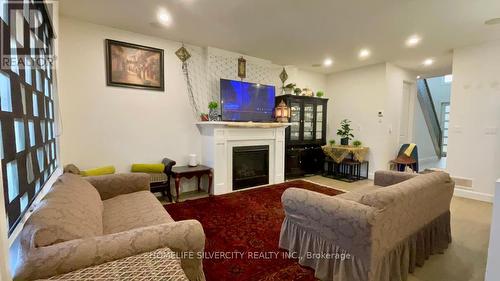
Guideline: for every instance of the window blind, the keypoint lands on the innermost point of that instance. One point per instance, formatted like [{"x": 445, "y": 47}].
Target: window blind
[{"x": 28, "y": 143}]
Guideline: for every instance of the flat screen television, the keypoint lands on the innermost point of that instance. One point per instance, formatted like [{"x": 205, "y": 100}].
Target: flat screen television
[{"x": 243, "y": 101}]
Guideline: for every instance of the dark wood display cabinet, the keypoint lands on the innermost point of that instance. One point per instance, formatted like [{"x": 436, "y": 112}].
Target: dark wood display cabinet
[{"x": 305, "y": 136}]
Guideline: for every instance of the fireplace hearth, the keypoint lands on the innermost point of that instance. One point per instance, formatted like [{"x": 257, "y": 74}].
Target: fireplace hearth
[{"x": 250, "y": 166}]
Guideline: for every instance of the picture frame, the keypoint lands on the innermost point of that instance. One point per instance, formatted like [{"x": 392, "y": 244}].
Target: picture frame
[{"x": 134, "y": 66}]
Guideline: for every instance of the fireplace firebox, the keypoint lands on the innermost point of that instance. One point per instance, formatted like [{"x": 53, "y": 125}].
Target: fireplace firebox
[{"x": 250, "y": 166}]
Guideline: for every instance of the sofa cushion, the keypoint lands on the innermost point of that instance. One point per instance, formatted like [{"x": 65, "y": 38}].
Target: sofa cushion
[
  {"x": 356, "y": 194},
  {"x": 72, "y": 209},
  {"x": 133, "y": 210},
  {"x": 386, "y": 196}
]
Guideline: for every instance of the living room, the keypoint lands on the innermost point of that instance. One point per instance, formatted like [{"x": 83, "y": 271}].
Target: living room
[{"x": 172, "y": 143}]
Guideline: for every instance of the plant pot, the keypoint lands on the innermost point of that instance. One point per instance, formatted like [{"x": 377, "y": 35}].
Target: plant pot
[
  {"x": 344, "y": 141},
  {"x": 213, "y": 115},
  {"x": 204, "y": 117},
  {"x": 288, "y": 91}
]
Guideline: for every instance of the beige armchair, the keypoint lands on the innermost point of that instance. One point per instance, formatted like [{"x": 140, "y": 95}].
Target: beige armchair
[
  {"x": 84, "y": 226},
  {"x": 380, "y": 234}
]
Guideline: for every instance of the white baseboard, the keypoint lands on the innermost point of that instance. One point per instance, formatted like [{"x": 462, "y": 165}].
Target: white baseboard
[{"x": 470, "y": 194}]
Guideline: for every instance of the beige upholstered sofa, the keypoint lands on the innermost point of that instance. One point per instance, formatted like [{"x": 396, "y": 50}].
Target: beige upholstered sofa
[
  {"x": 377, "y": 234},
  {"x": 108, "y": 228}
]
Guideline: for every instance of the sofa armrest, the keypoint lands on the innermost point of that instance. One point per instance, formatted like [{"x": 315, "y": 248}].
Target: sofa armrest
[
  {"x": 184, "y": 237},
  {"x": 386, "y": 178},
  {"x": 344, "y": 223},
  {"x": 110, "y": 186}
]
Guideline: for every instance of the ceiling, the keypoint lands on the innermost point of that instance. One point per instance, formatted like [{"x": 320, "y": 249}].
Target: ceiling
[{"x": 304, "y": 33}]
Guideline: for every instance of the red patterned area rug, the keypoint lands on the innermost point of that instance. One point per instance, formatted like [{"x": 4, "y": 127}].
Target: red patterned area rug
[{"x": 242, "y": 231}]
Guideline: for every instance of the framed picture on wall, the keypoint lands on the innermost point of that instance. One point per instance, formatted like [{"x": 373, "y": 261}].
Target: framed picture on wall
[{"x": 134, "y": 66}]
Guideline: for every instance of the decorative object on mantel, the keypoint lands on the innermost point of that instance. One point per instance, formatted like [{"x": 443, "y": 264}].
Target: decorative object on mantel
[
  {"x": 289, "y": 88},
  {"x": 282, "y": 112},
  {"x": 283, "y": 78},
  {"x": 204, "y": 117},
  {"x": 320, "y": 94},
  {"x": 134, "y": 66},
  {"x": 357, "y": 143},
  {"x": 345, "y": 132},
  {"x": 242, "y": 68},
  {"x": 297, "y": 91},
  {"x": 213, "y": 114},
  {"x": 229, "y": 124},
  {"x": 183, "y": 54}
]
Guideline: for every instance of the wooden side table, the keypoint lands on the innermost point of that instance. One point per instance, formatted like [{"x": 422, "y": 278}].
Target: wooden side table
[{"x": 189, "y": 172}]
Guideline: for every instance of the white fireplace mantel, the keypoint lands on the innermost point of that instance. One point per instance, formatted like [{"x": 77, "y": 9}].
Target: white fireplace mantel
[{"x": 219, "y": 138}]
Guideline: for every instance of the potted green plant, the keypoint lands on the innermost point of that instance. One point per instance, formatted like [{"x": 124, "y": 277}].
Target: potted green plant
[
  {"x": 357, "y": 143},
  {"x": 204, "y": 116},
  {"x": 332, "y": 142},
  {"x": 289, "y": 88},
  {"x": 320, "y": 94},
  {"x": 213, "y": 114},
  {"x": 297, "y": 91},
  {"x": 345, "y": 132}
]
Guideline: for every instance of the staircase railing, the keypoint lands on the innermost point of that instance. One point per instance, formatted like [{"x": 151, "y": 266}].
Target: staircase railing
[{"x": 430, "y": 115}]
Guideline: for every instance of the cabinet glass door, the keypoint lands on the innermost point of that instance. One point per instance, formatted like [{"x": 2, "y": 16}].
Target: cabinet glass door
[
  {"x": 308, "y": 121},
  {"x": 295, "y": 120},
  {"x": 319, "y": 121}
]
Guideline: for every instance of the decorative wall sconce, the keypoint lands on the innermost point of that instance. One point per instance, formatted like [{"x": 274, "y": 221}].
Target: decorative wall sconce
[
  {"x": 242, "y": 68},
  {"x": 283, "y": 76},
  {"x": 282, "y": 112}
]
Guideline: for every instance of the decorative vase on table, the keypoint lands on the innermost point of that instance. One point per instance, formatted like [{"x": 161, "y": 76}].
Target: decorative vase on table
[
  {"x": 213, "y": 115},
  {"x": 344, "y": 141}
]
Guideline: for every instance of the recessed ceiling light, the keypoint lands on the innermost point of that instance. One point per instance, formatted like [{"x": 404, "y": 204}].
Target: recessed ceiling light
[
  {"x": 413, "y": 41},
  {"x": 364, "y": 53},
  {"x": 327, "y": 62},
  {"x": 428, "y": 62},
  {"x": 492, "y": 21},
  {"x": 164, "y": 17},
  {"x": 418, "y": 76}
]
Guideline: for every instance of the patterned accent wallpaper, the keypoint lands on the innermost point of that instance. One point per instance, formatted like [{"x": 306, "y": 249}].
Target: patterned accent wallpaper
[{"x": 207, "y": 66}]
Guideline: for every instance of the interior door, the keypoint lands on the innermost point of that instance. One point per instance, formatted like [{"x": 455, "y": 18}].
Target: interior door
[{"x": 404, "y": 126}]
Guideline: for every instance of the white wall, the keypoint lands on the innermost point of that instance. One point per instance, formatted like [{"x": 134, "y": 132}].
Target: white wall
[
  {"x": 312, "y": 80},
  {"x": 109, "y": 125},
  {"x": 358, "y": 95},
  {"x": 119, "y": 126},
  {"x": 475, "y": 119},
  {"x": 302, "y": 78}
]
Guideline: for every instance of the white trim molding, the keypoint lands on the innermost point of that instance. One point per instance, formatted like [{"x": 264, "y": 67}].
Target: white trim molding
[{"x": 470, "y": 194}]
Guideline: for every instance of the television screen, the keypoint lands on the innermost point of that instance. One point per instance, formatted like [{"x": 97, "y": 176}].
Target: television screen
[{"x": 243, "y": 101}]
